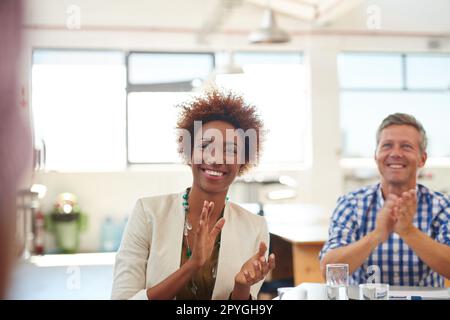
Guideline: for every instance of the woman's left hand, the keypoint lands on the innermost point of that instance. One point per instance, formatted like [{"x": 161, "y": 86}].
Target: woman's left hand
[{"x": 256, "y": 268}]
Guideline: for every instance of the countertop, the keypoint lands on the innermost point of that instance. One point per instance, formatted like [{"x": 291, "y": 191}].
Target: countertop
[{"x": 63, "y": 276}]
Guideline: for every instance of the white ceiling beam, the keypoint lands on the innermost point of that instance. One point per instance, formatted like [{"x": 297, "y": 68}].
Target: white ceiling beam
[
  {"x": 335, "y": 9},
  {"x": 295, "y": 9},
  {"x": 318, "y": 12}
]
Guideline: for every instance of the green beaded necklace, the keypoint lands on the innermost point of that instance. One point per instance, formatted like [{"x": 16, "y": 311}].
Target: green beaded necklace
[{"x": 187, "y": 224}]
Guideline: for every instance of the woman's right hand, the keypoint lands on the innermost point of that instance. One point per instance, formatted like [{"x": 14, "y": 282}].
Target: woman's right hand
[{"x": 204, "y": 239}]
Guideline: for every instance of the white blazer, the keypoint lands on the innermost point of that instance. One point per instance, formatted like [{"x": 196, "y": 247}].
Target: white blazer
[{"x": 151, "y": 246}]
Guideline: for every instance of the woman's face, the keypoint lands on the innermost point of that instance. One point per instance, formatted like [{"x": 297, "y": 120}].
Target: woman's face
[{"x": 215, "y": 161}]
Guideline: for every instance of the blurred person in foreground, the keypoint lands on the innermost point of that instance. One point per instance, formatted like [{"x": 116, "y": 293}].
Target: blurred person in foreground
[{"x": 15, "y": 139}]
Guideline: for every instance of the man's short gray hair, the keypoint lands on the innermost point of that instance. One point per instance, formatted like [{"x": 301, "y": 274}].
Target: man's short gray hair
[{"x": 404, "y": 119}]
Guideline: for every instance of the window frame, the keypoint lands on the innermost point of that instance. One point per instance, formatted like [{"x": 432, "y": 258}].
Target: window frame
[
  {"x": 31, "y": 115},
  {"x": 142, "y": 88},
  {"x": 130, "y": 88},
  {"x": 347, "y": 161},
  {"x": 404, "y": 70}
]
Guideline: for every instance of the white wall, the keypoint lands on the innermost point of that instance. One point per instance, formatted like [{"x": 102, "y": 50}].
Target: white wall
[
  {"x": 106, "y": 194},
  {"x": 169, "y": 25}
]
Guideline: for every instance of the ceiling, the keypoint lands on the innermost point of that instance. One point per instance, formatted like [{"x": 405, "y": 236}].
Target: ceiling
[
  {"x": 313, "y": 13},
  {"x": 316, "y": 12},
  {"x": 206, "y": 17}
]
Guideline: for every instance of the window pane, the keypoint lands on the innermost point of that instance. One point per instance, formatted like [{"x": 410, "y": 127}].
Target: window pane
[
  {"x": 170, "y": 71},
  {"x": 78, "y": 57},
  {"x": 428, "y": 72},
  {"x": 78, "y": 100},
  {"x": 362, "y": 112},
  {"x": 278, "y": 91},
  {"x": 370, "y": 71},
  {"x": 244, "y": 58},
  {"x": 152, "y": 118}
]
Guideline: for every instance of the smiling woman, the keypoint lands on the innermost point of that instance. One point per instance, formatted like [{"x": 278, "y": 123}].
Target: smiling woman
[
  {"x": 183, "y": 245},
  {"x": 241, "y": 121}
]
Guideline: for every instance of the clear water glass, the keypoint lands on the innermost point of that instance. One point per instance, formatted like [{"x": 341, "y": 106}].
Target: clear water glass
[
  {"x": 374, "y": 291},
  {"x": 337, "y": 281}
]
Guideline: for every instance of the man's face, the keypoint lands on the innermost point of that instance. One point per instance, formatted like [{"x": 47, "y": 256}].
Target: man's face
[{"x": 398, "y": 155}]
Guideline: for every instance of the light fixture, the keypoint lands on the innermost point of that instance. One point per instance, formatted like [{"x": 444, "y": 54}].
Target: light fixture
[{"x": 269, "y": 32}]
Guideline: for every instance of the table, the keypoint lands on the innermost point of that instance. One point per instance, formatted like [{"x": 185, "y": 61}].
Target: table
[
  {"x": 86, "y": 276},
  {"x": 317, "y": 291},
  {"x": 304, "y": 228}
]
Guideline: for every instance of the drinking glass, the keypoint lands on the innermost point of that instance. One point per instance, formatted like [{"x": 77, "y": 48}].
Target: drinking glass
[{"x": 337, "y": 281}]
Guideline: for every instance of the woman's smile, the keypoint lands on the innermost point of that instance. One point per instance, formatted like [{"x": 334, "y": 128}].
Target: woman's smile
[{"x": 212, "y": 173}]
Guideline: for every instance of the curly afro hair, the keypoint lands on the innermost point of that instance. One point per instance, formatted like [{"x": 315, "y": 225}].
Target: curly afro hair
[{"x": 229, "y": 107}]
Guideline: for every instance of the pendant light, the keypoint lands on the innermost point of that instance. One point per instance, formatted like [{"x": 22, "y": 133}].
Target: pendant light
[{"x": 269, "y": 32}]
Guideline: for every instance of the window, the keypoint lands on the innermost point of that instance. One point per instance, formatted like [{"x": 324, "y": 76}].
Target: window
[
  {"x": 168, "y": 71},
  {"x": 275, "y": 84},
  {"x": 102, "y": 110},
  {"x": 423, "y": 92},
  {"x": 428, "y": 72},
  {"x": 157, "y": 83},
  {"x": 152, "y": 120},
  {"x": 370, "y": 71},
  {"x": 78, "y": 102}
]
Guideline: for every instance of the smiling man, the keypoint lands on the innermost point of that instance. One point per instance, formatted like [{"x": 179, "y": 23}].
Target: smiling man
[{"x": 397, "y": 231}]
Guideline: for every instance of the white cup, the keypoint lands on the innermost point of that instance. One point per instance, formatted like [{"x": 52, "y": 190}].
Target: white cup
[
  {"x": 374, "y": 291},
  {"x": 292, "y": 293}
]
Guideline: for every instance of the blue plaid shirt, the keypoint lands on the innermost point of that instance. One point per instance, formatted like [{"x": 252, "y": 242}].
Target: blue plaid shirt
[{"x": 355, "y": 216}]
